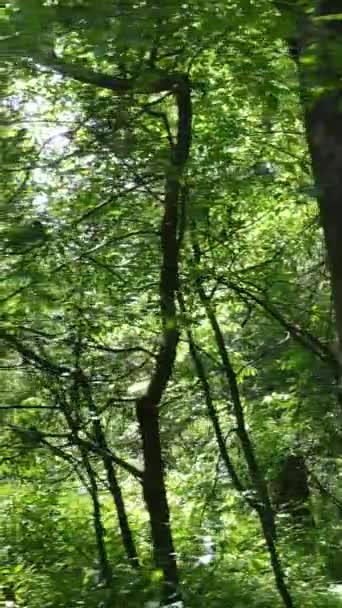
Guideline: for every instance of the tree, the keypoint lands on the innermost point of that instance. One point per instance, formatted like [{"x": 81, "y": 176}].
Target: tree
[
  {"x": 166, "y": 321},
  {"x": 315, "y": 45}
]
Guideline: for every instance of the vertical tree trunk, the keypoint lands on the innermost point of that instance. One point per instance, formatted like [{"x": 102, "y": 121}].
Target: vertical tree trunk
[
  {"x": 105, "y": 568},
  {"x": 319, "y": 38},
  {"x": 267, "y": 532},
  {"x": 156, "y": 500},
  {"x": 113, "y": 484},
  {"x": 9, "y": 594},
  {"x": 262, "y": 504},
  {"x": 292, "y": 492},
  {"x": 147, "y": 407},
  {"x": 126, "y": 533},
  {"x": 92, "y": 486}
]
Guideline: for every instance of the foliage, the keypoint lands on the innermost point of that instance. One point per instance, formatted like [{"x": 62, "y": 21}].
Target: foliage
[{"x": 167, "y": 335}]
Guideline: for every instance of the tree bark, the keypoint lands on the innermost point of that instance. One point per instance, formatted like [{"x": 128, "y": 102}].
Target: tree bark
[
  {"x": 172, "y": 228},
  {"x": 113, "y": 484},
  {"x": 317, "y": 49},
  {"x": 126, "y": 533},
  {"x": 292, "y": 492},
  {"x": 155, "y": 496},
  {"x": 147, "y": 408},
  {"x": 261, "y": 503},
  {"x": 105, "y": 568}
]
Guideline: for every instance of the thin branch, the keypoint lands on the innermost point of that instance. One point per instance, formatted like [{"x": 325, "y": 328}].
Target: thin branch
[
  {"x": 305, "y": 338},
  {"x": 28, "y": 407}
]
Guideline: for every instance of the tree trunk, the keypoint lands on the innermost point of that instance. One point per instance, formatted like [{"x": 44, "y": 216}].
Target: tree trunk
[
  {"x": 105, "y": 568},
  {"x": 264, "y": 521},
  {"x": 292, "y": 492},
  {"x": 156, "y": 500},
  {"x": 262, "y": 503},
  {"x": 113, "y": 484},
  {"x": 319, "y": 40},
  {"x": 92, "y": 487},
  {"x": 126, "y": 533},
  {"x": 147, "y": 408}
]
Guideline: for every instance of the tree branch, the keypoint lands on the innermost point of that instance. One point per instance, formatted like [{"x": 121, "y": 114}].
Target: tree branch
[{"x": 149, "y": 82}]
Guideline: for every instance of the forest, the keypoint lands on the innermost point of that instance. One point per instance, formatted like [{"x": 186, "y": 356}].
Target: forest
[{"x": 171, "y": 304}]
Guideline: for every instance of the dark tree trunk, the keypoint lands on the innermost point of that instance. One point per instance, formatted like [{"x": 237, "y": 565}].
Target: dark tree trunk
[
  {"x": 292, "y": 492},
  {"x": 320, "y": 38},
  {"x": 147, "y": 408},
  {"x": 105, "y": 568},
  {"x": 91, "y": 482},
  {"x": 126, "y": 533},
  {"x": 262, "y": 503},
  {"x": 267, "y": 531},
  {"x": 113, "y": 484},
  {"x": 10, "y": 595},
  {"x": 156, "y": 500}
]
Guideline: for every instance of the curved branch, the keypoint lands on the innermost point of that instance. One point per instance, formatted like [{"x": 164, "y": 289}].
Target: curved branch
[{"x": 149, "y": 82}]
